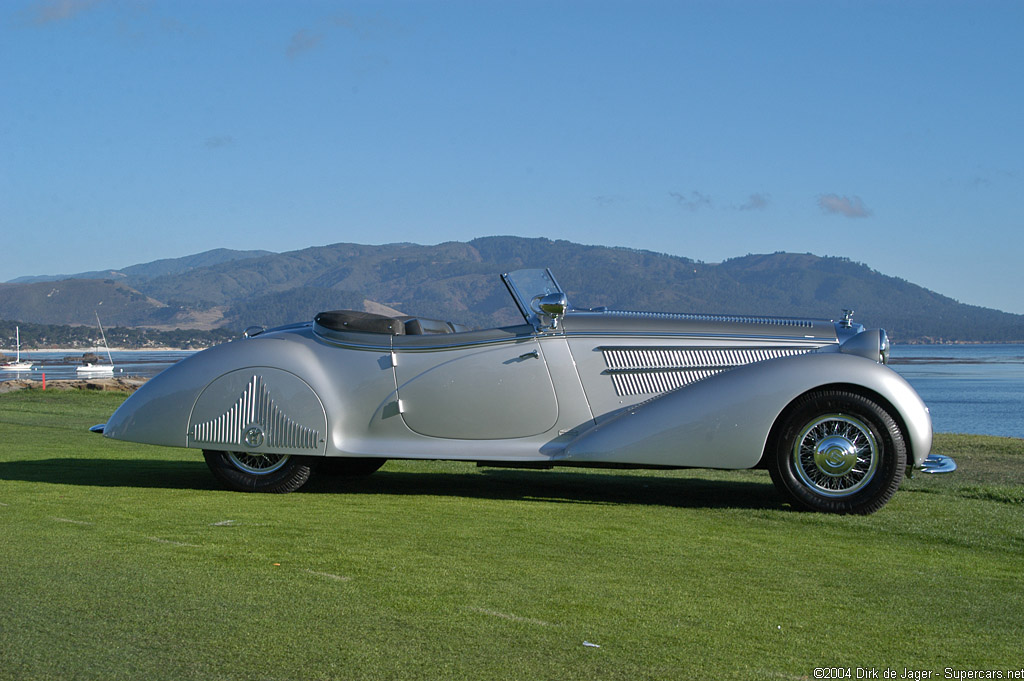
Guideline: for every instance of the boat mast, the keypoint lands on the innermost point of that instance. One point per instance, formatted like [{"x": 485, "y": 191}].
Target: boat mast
[{"x": 103, "y": 336}]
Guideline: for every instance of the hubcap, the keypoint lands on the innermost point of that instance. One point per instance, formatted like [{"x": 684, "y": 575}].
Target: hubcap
[{"x": 835, "y": 455}]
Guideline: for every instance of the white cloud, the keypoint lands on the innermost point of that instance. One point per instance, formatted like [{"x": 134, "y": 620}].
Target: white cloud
[
  {"x": 756, "y": 202},
  {"x": 51, "y": 11},
  {"x": 303, "y": 41},
  {"x": 606, "y": 200},
  {"x": 219, "y": 141},
  {"x": 692, "y": 201},
  {"x": 843, "y": 205}
]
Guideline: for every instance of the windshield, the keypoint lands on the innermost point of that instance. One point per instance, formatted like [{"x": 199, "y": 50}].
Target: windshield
[{"x": 528, "y": 285}]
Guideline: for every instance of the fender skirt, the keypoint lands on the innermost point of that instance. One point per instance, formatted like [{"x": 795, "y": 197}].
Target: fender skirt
[{"x": 724, "y": 421}]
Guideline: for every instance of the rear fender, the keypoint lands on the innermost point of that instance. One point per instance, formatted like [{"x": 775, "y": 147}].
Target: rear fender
[
  {"x": 724, "y": 421},
  {"x": 215, "y": 398},
  {"x": 260, "y": 410}
]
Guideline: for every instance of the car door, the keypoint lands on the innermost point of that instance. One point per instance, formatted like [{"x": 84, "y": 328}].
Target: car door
[{"x": 475, "y": 388}]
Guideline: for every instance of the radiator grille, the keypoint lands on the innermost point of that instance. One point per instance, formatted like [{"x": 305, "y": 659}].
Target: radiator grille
[
  {"x": 256, "y": 408},
  {"x": 640, "y": 371}
]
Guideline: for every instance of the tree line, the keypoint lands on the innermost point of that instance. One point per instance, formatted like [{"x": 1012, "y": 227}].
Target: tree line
[{"x": 43, "y": 336}]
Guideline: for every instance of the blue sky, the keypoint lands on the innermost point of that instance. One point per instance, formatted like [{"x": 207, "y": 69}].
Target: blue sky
[{"x": 885, "y": 132}]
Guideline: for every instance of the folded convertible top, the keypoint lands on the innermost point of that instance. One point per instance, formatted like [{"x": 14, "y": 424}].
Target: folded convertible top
[{"x": 354, "y": 320}]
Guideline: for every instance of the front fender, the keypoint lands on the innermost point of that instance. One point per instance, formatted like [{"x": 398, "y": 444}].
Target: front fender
[{"x": 724, "y": 421}]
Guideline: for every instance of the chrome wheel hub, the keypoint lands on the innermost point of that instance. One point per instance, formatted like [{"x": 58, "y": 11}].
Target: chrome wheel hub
[{"x": 835, "y": 455}]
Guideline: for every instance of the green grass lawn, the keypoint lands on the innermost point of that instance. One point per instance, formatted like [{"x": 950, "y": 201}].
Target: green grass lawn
[{"x": 125, "y": 561}]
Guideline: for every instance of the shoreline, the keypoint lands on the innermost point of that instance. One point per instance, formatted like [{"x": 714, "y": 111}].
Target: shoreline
[
  {"x": 97, "y": 351},
  {"x": 128, "y": 384}
]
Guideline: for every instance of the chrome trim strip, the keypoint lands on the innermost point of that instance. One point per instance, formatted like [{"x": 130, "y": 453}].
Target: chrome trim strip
[
  {"x": 812, "y": 342},
  {"x": 397, "y": 349},
  {"x": 696, "y": 317},
  {"x": 469, "y": 344},
  {"x": 353, "y": 346}
]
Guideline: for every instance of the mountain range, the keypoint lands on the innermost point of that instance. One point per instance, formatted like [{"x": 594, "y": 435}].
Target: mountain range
[{"x": 458, "y": 281}]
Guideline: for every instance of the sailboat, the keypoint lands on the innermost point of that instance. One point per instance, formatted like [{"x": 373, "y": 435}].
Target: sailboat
[
  {"x": 17, "y": 365},
  {"x": 90, "y": 369}
]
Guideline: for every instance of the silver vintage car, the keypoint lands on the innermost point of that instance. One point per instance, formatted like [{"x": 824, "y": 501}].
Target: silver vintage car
[{"x": 810, "y": 400}]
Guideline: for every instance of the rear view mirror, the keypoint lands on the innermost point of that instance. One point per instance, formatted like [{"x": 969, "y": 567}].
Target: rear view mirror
[{"x": 553, "y": 305}]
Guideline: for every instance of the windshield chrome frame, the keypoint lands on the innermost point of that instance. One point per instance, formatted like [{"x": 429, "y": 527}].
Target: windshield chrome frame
[{"x": 520, "y": 285}]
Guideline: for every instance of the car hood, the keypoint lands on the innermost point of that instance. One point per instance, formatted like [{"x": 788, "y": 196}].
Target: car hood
[{"x": 618, "y": 321}]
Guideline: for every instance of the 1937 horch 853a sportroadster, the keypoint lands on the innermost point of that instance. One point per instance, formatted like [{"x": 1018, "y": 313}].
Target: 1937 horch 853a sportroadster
[{"x": 810, "y": 400}]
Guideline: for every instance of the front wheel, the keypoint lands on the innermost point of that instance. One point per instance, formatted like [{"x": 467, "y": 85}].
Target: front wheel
[
  {"x": 837, "y": 452},
  {"x": 245, "y": 472}
]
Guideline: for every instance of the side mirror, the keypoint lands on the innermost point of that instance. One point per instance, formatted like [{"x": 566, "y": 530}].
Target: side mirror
[{"x": 552, "y": 305}]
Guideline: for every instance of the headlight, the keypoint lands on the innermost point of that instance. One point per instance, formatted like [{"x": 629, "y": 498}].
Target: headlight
[{"x": 872, "y": 344}]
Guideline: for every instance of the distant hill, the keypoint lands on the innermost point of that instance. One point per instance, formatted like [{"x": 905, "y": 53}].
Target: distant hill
[
  {"x": 76, "y": 301},
  {"x": 458, "y": 281},
  {"x": 153, "y": 269}
]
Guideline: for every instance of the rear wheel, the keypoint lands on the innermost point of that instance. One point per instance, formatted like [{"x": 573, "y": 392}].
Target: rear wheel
[
  {"x": 247, "y": 472},
  {"x": 838, "y": 452}
]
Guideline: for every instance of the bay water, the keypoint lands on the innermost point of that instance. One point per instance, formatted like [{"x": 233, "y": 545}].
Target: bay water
[
  {"x": 975, "y": 389},
  {"x": 61, "y": 364}
]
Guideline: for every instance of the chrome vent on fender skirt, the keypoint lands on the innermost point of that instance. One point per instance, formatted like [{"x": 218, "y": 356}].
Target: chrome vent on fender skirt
[
  {"x": 643, "y": 371},
  {"x": 254, "y": 420}
]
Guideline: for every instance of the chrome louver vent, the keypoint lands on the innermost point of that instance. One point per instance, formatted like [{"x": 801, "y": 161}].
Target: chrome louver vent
[
  {"x": 255, "y": 420},
  {"x": 640, "y": 371},
  {"x": 729, "y": 319},
  {"x": 651, "y": 383}
]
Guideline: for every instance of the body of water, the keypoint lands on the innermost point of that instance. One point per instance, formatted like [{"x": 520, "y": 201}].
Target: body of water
[
  {"x": 969, "y": 388},
  {"x": 61, "y": 364}
]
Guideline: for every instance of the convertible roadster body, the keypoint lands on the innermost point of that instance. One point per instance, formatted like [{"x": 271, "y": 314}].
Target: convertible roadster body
[{"x": 810, "y": 400}]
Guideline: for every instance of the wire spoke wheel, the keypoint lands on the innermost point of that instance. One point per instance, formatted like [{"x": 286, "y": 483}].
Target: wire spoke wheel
[
  {"x": 258, "y": 472},
  {"x": 258, "y": 464},
  {"x": 837, "y": 452},
  {"x": 836, "y": 455}
]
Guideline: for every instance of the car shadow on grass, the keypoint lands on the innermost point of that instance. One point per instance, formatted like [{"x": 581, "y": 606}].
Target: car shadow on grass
[
  {"x": 111, "y": 473},
  {"x": 571, "y": 487}
]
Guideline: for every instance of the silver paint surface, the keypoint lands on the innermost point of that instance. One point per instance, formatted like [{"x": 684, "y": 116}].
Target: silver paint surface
[{"x": 607, "y": 387}]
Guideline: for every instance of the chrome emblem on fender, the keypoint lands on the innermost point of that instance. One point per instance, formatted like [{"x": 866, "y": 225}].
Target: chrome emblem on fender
[{"x": 253, "y": 436}]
